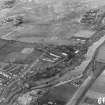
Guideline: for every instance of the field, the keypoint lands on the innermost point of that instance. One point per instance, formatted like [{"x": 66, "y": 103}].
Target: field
[{"x": 46, "y": 47}]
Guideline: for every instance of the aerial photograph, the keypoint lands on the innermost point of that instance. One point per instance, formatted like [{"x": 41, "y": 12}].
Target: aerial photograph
[{"x": 52, "y": 52}]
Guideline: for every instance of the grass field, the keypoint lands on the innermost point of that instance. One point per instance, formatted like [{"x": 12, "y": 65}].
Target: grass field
[{"x": 45, "y": 21}]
